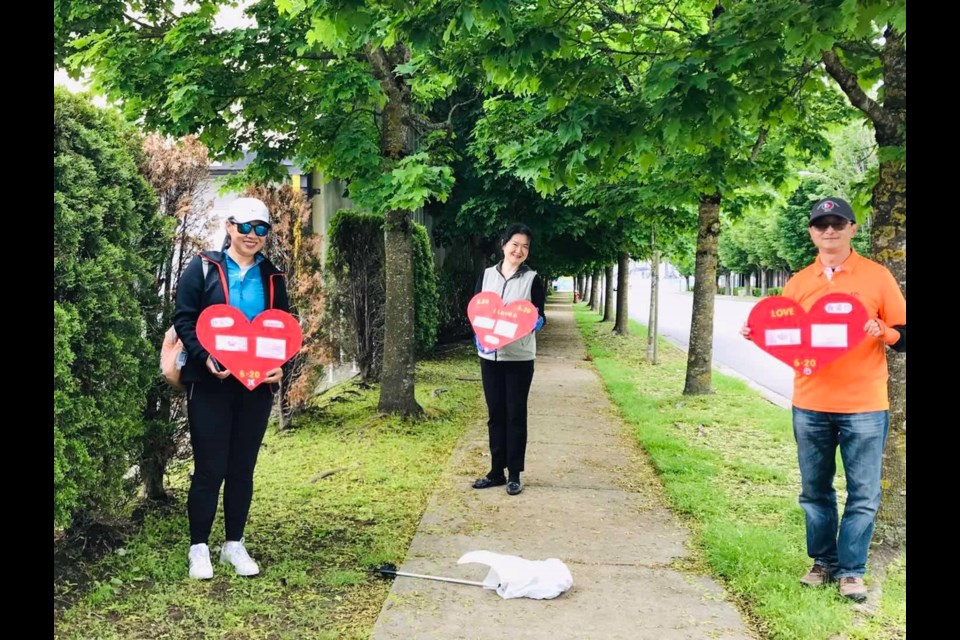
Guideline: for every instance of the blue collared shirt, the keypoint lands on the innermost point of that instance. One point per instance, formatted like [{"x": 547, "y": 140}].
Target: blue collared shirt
[{"x": 246, "y": 289}]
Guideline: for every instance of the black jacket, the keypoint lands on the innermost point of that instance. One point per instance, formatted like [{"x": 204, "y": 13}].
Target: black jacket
[
  {"x": 195, "y": 293},
  {"x": 900, "y": 346}
]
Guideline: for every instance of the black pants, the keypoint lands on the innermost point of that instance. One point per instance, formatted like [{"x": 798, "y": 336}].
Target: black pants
[
  {"x": 506, "y": 386},
  {"x": 227, "y": 423}
]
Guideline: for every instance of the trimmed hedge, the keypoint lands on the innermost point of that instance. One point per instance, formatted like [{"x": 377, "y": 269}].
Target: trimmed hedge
[{"x": 105, "y": 223}]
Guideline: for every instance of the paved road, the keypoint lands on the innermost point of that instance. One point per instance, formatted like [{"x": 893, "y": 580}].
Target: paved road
[{"x": 730, "y": 351}]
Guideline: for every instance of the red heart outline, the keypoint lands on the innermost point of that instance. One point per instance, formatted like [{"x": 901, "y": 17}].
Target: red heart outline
[
  {"x": 497, "y": 325},
  {"x": 233, "y": 340},
  {"x": 808, "y": 340}
]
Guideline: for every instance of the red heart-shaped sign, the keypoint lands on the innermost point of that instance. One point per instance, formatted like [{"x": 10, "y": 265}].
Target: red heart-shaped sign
[
  {"x": 496, "y": 324},
  {"x": 808, "y": 340},
  {"x": 249, "y": 349}
]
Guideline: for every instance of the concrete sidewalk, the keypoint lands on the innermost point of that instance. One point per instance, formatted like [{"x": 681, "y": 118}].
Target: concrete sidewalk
[{"x": 590, "y": 499}]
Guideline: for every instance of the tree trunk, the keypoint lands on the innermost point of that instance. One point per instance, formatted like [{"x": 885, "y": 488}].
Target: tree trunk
[
  {"x": 600, "y": 292},
  {"x": 889, "y": 246},
  {"x": 157, "y": 441},
  {"x": 397, "y": 378},
  {"x": 654, "y": 299},
  {"x": 764, "y": 277},
  {"x": 608, "y": 298},
  {"x": 157, "y": 444},
  {"x": 622, "y": 327},
  {"x": 153, "y": 462},
  {"x": 700, "y": 354},
  {"x": 151, "y": 473},
  {"x": 595, "y": 291},
  {"x": 280, "y": 401}
]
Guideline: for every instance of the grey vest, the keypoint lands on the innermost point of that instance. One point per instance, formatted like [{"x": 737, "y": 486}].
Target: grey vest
[{"x": 516, "y": 288}]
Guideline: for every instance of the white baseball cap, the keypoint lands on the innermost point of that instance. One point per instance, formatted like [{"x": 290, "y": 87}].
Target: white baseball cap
[{"x": 248, "y": 210}]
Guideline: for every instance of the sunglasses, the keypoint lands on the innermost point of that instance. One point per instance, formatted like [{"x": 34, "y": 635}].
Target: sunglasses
[
  {"x": 260, "y": 228},
  {"x": 821, "y": 226}
]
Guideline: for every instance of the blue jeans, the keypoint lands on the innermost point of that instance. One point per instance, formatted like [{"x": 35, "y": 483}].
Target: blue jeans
[{"x": 861, "y": 437}]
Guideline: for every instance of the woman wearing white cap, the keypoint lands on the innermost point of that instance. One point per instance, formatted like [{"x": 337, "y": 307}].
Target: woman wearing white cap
[{"x": 227, "y": 421}]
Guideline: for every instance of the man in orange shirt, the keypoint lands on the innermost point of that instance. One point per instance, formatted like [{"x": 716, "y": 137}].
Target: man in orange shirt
[{"x": 844, "y": 404}]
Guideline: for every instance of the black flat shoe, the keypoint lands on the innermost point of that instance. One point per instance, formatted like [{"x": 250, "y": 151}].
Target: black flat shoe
[
  {"x": 513, "y": 488},
  {"x": 486, "y": 483}
]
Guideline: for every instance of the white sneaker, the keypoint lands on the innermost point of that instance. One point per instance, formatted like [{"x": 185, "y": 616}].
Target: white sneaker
[
  {"x": 236, "y": 554},
  {"x": 200, "y": 567}
]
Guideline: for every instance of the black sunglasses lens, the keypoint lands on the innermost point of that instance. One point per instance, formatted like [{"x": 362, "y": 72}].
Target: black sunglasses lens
[
  {"x": 837, "y": 226},
  {"x": 245, "y": 227}
]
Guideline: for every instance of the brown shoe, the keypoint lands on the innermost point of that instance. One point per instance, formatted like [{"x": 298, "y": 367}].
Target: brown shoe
[
  {"x": 817, "y": 576},
  {"x": 853, "y": 588}
]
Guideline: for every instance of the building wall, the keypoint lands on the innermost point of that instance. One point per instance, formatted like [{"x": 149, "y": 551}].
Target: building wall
[{"x": 327, "y": 200}]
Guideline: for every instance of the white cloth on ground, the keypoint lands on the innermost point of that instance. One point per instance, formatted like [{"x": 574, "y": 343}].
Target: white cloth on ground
[{"x": 515, "y": 577}]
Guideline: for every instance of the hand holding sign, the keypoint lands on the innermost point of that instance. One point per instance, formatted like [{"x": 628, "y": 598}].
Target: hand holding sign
[
  {"x": 249, "y": 349},
  {"x": 496, "y": 324},
  {"x": 808, "y": 340}
]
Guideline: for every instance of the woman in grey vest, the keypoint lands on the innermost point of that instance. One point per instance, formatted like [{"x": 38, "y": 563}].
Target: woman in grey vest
[{"x": 507, "y": 372}]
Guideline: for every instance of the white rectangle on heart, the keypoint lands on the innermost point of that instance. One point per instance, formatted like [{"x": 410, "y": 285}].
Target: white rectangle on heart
[
  {"x": 231, "y": 343},
  {"x": 483, "y": 322},
  {"x": 828, "y": 335},
  {"x": 272, "y": 348},
  {"x": 781, "y": 337},
  {"x": 505, "y": 329}
]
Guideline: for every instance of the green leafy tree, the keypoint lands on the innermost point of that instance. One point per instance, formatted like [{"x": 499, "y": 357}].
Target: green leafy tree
[
  {"x": 862, "y": 48},
  {"x": 620, "y": 90},
  {"x": 335, "y": 86},
  {"x": 681, "y": 252}
]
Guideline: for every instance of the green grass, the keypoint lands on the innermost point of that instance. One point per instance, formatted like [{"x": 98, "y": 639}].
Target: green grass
[
  {"x": 314, "y": 538},
  {"x": 890, "y": 621},
  {"x": 728, "y": 464}
]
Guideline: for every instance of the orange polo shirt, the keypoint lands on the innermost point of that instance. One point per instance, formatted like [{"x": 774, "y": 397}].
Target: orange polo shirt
[{"x": 857, "y": 381}]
